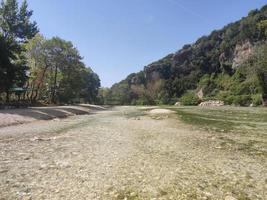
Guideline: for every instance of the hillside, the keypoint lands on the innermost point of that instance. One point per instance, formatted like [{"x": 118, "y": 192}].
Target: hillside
[{"x": 214, "y": 67}]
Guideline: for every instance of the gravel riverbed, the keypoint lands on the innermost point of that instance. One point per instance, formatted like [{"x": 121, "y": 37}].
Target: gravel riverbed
[{"x": 121, "y": 153}]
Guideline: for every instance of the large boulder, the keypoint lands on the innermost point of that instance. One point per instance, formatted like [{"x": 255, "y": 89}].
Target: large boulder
[{"x": 177, "y": 103}]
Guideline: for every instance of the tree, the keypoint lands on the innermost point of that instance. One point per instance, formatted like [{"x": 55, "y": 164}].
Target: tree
[
  {"x": 103, "y": 96},
  {"x": 38, "y": 66},
  {"x": 15, "y": 29},
  {"x": 26, "y": 29},
  {"x": 90, "y": 86},
  {"x": 7, "y": 68},
  {"x": 64, "y": 64},
  {"x": 15, "y": 23},
  {"x": 57, "y": 73},
  {"x": 262, "y": 26},
  {"x": 260, "y": 62}
]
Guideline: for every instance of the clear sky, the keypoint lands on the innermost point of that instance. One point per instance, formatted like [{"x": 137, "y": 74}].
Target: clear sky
[{"x": 119, "y": 37}]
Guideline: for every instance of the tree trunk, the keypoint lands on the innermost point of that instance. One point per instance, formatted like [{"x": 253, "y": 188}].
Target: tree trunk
[
  {"x": 26, "y": 89},
  {"x": 32, "y": 92},
  {"x": 53, "y": 100},
  {"x": 40, "y": 83},
  {"x": 7, "y": 97}
]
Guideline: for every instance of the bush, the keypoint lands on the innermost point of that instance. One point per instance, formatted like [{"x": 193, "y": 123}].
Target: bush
[
  {"x": 190, "y": 99},
  {"x": 256, "y": 99},
  {"x": 242, "y": 100}
]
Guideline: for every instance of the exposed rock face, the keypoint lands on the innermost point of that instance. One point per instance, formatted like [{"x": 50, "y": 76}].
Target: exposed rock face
[
  {"x": 242, "y": 53},
  {"x": 200, "y": 94},
  {"x": 211, "y": 103}
]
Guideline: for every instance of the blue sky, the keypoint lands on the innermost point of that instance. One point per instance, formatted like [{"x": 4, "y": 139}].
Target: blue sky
[{"x": 119, "y": 37}]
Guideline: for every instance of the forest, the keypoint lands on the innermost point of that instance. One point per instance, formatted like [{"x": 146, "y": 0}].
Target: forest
[
  {"x": 35, "y": 69},
  {"x": 228, "y": 65}
]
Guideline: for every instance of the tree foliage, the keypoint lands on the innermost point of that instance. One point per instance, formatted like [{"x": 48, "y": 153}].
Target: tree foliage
[
  {"x": 15, "y": 29},
  {"x": 58, "y": 74},
  {"x": 47, "y": 70}
]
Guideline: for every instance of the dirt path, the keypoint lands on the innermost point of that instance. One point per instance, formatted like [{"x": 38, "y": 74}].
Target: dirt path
[{"x": 120, "y": 154}]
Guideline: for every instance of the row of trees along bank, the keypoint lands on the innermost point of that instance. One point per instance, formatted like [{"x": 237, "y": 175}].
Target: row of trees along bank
[{"x": 35, "y": 69}]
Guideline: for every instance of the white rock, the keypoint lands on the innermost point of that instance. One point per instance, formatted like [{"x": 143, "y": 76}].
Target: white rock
[
  {"x": 230, "y": 198},
  {"x": 211, "y": 103},
  {"x": 177, "y": 103}
]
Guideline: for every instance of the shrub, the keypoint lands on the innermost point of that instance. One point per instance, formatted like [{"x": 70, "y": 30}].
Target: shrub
[
  {"x": 256, "y": 99},
  {"x": 190, "y": 99},
  {"x": 242, "y": 100},
  {"x": 225, "y": 97}
]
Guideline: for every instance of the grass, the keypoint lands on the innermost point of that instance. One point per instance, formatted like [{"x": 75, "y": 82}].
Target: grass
[
  {"x": 225, "y": 119},
  {"x": 238, "y": 128}
]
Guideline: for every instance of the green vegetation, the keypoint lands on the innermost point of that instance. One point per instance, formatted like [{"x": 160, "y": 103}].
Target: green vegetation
[
  {"x": 224, "y": 119},
  {"x": 190, "y": 99},
  {"x": 241, "y": 129},
  {"x": 35, "y": 69},
  {"x": 57, "y": 73},
  {"x": 229, "y": 65}
]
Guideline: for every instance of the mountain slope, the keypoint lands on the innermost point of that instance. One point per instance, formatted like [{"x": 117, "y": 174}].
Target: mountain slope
[{"x": 215, "y": 67}]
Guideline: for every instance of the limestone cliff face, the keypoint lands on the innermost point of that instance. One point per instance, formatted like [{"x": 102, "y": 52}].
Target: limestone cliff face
[
  {"x": 152, "y": 73},
  {"x": 242, "y": 52}
]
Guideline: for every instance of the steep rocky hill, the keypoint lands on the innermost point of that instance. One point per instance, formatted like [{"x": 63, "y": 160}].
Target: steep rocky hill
[{"x": 215, "y": 67}]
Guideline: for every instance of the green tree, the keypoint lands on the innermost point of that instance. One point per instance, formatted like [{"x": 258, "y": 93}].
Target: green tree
[
  {"x": 38, "y": 67},
  {"x": 57, "y": 73},
  {"x": 7, "y": 68},
  {"x": 15, "y": 23},
  {"x": 15, "y": 29},
  {"x": 260, "y": 62},
  {"x": 262, "y": 26}
]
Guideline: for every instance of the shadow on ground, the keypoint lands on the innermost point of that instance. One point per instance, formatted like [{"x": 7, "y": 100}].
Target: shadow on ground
[{"x": 19, "y": 116}]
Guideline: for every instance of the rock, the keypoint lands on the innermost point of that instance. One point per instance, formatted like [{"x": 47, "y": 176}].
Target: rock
[
  {"x": 230, "y": 198},
  {"x": 200, "y": 94},
  {"x": 42, "y": 139},
  {"x": 161, "y": 111},
  {"x": 211, "y": 103},
  {"x": 27, "y": 198},
  {"x": 27, "y": 158},
  {"x": 242, "y": 52},
  {"x": 177, "y": 103}
]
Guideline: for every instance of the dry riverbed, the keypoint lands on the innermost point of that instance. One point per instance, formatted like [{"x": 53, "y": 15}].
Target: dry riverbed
[{"x": 125, "y": 153}]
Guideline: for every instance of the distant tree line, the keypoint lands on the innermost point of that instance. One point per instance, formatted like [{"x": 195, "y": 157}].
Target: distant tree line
[
  {"x": 35, "y": 69},
  {"x": 210, "y": 65}
]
